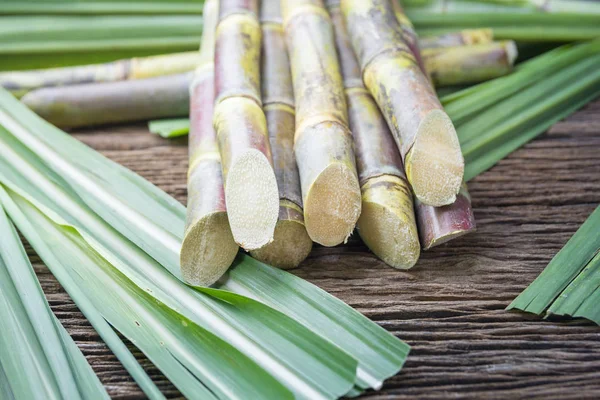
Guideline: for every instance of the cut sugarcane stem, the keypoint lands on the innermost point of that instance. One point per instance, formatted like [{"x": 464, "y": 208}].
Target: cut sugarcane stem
[
  {"x": 208, "y": 248},
  {"x": 323, "y": 142},
  {"x": 423, "y": 131},
  {"x": 251, "y": 193},
  {"x": 409, "y": 35},
  {"x": 387, "y": 220},
  {"x": 465, "y": 37},
  {"x": 439, "y": 225},
  {"x": 112, "y": 102},
  {"x": 291, "y": 243},
  {"x": 469, "y": 64},
  {"x": 132, "y": 68}
]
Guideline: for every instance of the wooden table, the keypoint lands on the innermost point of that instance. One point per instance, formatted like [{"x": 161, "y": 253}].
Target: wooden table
[{"x": 450, "y": 307}]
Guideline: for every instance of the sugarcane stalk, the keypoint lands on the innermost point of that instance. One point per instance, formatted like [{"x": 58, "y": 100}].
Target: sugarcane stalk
[
  {"x": 251, "y": 193},
  {"x": 469, "y": 64},
  {"x": 208, "y": 248},
  {"x": 323, "y": 142},
  {"x": 291, "y": 243},
  {"x": 423, "y": 131},
  {"x": 387, "y": 221},
  {"x": 132, "y": 68},
  {"x": 112, "y": 102},
  {"x": 410, "y": 36},
  {"x": 439, "y": 225},
  {"x": 465, "y": 37}
]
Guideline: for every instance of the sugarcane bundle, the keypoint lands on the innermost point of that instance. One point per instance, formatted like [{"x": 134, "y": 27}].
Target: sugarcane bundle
[
  {"x": 387, "y": 222},
  {"x": 291, "y": 243},
  {"x": 323, "y": 142},
  {"x": 251, "y": 193},
  {"x": 423, "y": 131}
]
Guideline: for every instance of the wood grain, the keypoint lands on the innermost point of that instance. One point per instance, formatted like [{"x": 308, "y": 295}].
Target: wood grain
[{"x": 450, "y": 307}]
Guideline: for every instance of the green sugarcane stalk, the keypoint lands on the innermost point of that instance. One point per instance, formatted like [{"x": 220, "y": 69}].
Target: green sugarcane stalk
[{"x": 463, "y": 105}]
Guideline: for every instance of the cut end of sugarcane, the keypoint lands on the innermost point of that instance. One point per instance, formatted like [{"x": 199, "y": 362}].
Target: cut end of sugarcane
[
  {"x": 290, "y": 246},
  {"x": 332, "y": 205},
  {"x": 252, "y": 200},
  {"x": 435, "y": 165},
  {"x": 511, "y": 52},
  {"x": 445, "y": 238},
  {"x": 387, "y": 222},
  {"x": 389, "y": 236},
  {"x": 208, "y": 250}
]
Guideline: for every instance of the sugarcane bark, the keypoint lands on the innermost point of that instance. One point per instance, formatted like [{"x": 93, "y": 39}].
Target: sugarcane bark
[
  {"x": 465, "y": 37},
  {"x": 134, "y": 68},
  {"x": 323, "y": 142},
  {"x": 250, "y": 185},
  {"x": 276, "y": 75},
  {"x": 438, "y": 225},
  {"x": 470, "y": 64},
  {"x": 206, "y": 194},
  {"x": 424, "y": 133},
  {"x": 238, "y": 58},
  {"x": 112, "y": 102},
  {"x": 281, "y": 123},
  {"x": 410, "y": 35},
  {"x": 30, "y": 80},
  {"x": 168, "y": 64}
]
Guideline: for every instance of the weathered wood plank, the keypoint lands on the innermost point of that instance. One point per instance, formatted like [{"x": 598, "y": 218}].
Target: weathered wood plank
[{"x": 450, "y": 307}]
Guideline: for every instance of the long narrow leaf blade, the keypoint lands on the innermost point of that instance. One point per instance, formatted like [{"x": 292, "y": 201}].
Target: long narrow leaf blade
[
  {"x": 58, "y": 369},
  {"x": 306, "y": 362},
  {"x": 200, "y": 364},
  {"x": 380, "y": 354},
  {"x": 152, "y": 220},
  {"x": 563, "y": 269}
]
